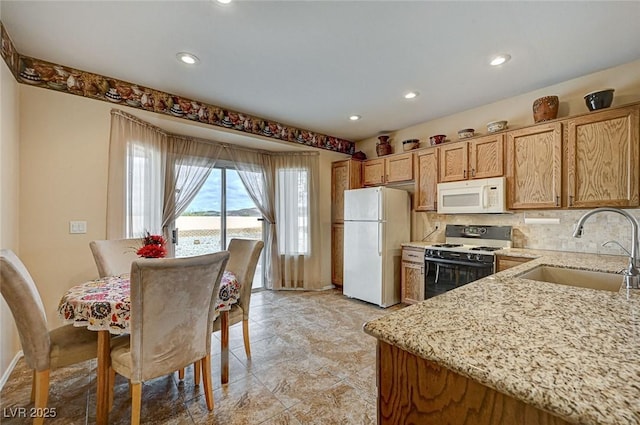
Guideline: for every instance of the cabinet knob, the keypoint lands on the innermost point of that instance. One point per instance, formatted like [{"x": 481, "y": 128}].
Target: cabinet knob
[{"x": 557, "y": 201}]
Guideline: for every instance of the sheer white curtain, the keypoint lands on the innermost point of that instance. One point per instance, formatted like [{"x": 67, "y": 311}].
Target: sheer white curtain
[
  {"x": 297, "y": 219},
  {"x": 189, "y": 164},
  {"x": 135, "y": 190},
  {"x": 153, "y": 176},
  {"x": 256, "y": 172}
]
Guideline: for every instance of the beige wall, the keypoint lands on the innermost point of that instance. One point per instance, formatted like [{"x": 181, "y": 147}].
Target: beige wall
[
  {"x": 64, "y": 150},
  {"x": 9, "y": 138}
]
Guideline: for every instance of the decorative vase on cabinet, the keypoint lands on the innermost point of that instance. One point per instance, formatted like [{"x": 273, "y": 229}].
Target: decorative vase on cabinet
[
  {"x": 545, "y": 108},
  {"x": 383, "y": 147}
]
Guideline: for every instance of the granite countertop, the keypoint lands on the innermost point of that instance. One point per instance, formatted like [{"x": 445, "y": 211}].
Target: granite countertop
[{"x": 571, "y": 351}]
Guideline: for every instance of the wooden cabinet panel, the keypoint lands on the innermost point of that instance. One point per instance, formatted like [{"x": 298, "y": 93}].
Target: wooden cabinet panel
[
  {"x": 337, "y": 253},
  {"x": 399, "y": 168},
  {"x": 340, "y": 183},
  {"x": 486, "y": 157},
  {"x": 504, "y": 262},
  {"x": 602, "y": 159},
  {"x": 453, "y": 162},
  {"x": 373, "y": 172},
  {"x": 344, "y": 175},
  {"x": 534, "y": 173},
  {"x": 413, "y": 390},
  {"x": 426, "y": 165},
  {"x": 412, "y": 275},
  {"x": 392, "y": 169}
]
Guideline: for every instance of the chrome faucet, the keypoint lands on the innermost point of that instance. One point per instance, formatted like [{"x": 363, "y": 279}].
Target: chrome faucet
[{"x": 631, "y": 274}]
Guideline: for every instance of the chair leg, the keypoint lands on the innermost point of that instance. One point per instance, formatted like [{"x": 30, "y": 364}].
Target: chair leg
[
  {"x": 196, "y": 372},
  {"x": 112, "y": 384},
  {"x": 206, "y": 378},
  {"x": 181, "y": 374},
  {"x": 42, "y": 394},
  {"x": 245, "y": 335},
  {"x": 136, "y": 402}
]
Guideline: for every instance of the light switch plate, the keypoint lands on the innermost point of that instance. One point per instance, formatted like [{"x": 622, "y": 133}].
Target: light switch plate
[{"x": 77, "y": 227}]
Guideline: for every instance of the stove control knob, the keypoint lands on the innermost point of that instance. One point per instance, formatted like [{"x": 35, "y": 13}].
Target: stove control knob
[
  {"x": 470, "y": 256},
  {"x": 479, "y": 257}
]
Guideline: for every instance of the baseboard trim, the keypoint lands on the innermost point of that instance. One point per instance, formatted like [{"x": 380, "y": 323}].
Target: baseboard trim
[{"x": 12, "y": 365}]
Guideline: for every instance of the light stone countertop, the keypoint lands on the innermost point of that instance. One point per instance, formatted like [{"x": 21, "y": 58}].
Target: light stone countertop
[{"x": 573, "y": 352}]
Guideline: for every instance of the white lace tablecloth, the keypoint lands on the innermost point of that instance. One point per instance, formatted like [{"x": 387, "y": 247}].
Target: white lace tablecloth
[{"x": 104, "y": 304}]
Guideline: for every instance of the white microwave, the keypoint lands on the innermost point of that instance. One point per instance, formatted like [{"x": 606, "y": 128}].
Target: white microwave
[{"x": 482, "y": 196}]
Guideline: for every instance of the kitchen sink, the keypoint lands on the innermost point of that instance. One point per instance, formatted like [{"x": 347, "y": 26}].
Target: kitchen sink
[{"x": 572, "y": 277}]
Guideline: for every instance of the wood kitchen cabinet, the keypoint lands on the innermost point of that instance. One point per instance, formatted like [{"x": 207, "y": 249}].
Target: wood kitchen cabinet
[
  {"x": 504, "y": 262},
  {"x": 345, "y": 175},
  {"x": 602, "y": 159},
  {"x": 337, "y": 253},
  {"x": 534, "y": 161},
  {"x": 426, "y": 170},
  {"x": 413, "y": 390},
  {"x": 600, "y": 167},
  {"x": 392, "y": 169},
  {"x": 412, "y": 275},
  {"x": 480, "y": 158}
]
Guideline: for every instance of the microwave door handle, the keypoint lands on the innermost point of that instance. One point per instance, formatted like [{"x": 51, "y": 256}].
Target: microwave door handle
[{"x": 485, "y": 196}]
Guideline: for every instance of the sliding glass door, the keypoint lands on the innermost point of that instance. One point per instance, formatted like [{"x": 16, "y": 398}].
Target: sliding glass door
[{"x": 222, "y": 210}]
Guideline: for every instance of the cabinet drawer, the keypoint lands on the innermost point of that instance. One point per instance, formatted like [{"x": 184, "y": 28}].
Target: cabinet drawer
[{"x": 413, "y": 255}]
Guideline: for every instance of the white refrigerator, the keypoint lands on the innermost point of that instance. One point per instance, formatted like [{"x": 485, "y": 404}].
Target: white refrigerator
[{"x": 376, "y": 222}]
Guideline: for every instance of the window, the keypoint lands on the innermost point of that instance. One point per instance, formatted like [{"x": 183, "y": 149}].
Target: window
[
  {"x": 292, "y": 211},
  {"x": 144, "y": 190}
]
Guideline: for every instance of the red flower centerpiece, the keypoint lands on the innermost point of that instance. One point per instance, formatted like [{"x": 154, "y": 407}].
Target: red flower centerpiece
[{"x": 153, "y": 246}]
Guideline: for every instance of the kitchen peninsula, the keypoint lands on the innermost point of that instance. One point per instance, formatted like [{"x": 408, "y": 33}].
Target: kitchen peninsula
[{"x": 507, "y": 350}]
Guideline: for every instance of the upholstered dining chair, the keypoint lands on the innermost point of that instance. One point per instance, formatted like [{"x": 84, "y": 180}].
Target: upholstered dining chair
[
  {"x": 172, "y": 307},
  {"x": 243, "y": 259},
  {"x": 114, "y": 257},
  {"x": 43, "y": 350}
]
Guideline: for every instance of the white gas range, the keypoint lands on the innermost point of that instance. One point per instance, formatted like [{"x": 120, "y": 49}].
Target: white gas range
[{"x": 466, "y": 255}]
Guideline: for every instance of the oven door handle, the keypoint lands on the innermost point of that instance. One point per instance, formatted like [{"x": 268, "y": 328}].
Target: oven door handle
[{"x": 457, "y": 262}]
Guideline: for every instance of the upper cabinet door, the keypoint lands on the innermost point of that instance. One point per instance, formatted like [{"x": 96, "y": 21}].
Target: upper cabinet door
[
  {"x": 399, "y": 168},
  {"x": 602, "y": 159},
  {"x": 373, "y": 172},
  {"x": 486, "y": 157},
  {"x": 345, "y": 175},
  {"x": 453, "y": 162},
  {"x": 426, "y": 180},
  {"x": 534, "y": 167}
]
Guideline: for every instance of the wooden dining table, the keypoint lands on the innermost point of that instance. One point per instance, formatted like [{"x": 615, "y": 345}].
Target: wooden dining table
[{"x": 103, "y": 305}]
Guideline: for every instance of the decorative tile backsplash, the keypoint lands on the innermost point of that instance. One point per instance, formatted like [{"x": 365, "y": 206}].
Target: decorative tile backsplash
[
  {"x": 598, "y": 229},
  {"x": 57, "y": 77}
]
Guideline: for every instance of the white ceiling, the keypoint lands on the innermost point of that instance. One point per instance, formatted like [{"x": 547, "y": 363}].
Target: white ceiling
[{"x": 311, "y": 64}]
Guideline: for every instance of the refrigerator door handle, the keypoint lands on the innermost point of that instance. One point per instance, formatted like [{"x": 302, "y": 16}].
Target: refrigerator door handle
[
  {"x": 380, "y": 210},
  {"x": 380, "y": 239}
]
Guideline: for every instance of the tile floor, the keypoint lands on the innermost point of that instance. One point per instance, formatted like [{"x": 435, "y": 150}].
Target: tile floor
[{"x": 311, "y": 364}]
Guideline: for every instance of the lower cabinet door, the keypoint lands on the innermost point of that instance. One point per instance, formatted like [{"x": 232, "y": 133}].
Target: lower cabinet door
[{"x": 412, "y": 282}]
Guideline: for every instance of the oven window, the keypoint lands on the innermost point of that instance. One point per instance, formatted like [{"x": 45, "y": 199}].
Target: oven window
[{"x": 441, "y": 277}]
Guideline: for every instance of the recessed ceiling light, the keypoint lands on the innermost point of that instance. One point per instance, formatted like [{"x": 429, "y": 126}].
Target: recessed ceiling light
[
  {"x": 187, "y": 58},
  {"x": 224, "y": 1},
  {"x": 355, "y": 117},
  {"x": 500, "y": 59},
  {"x": 411, "y": 95}
]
